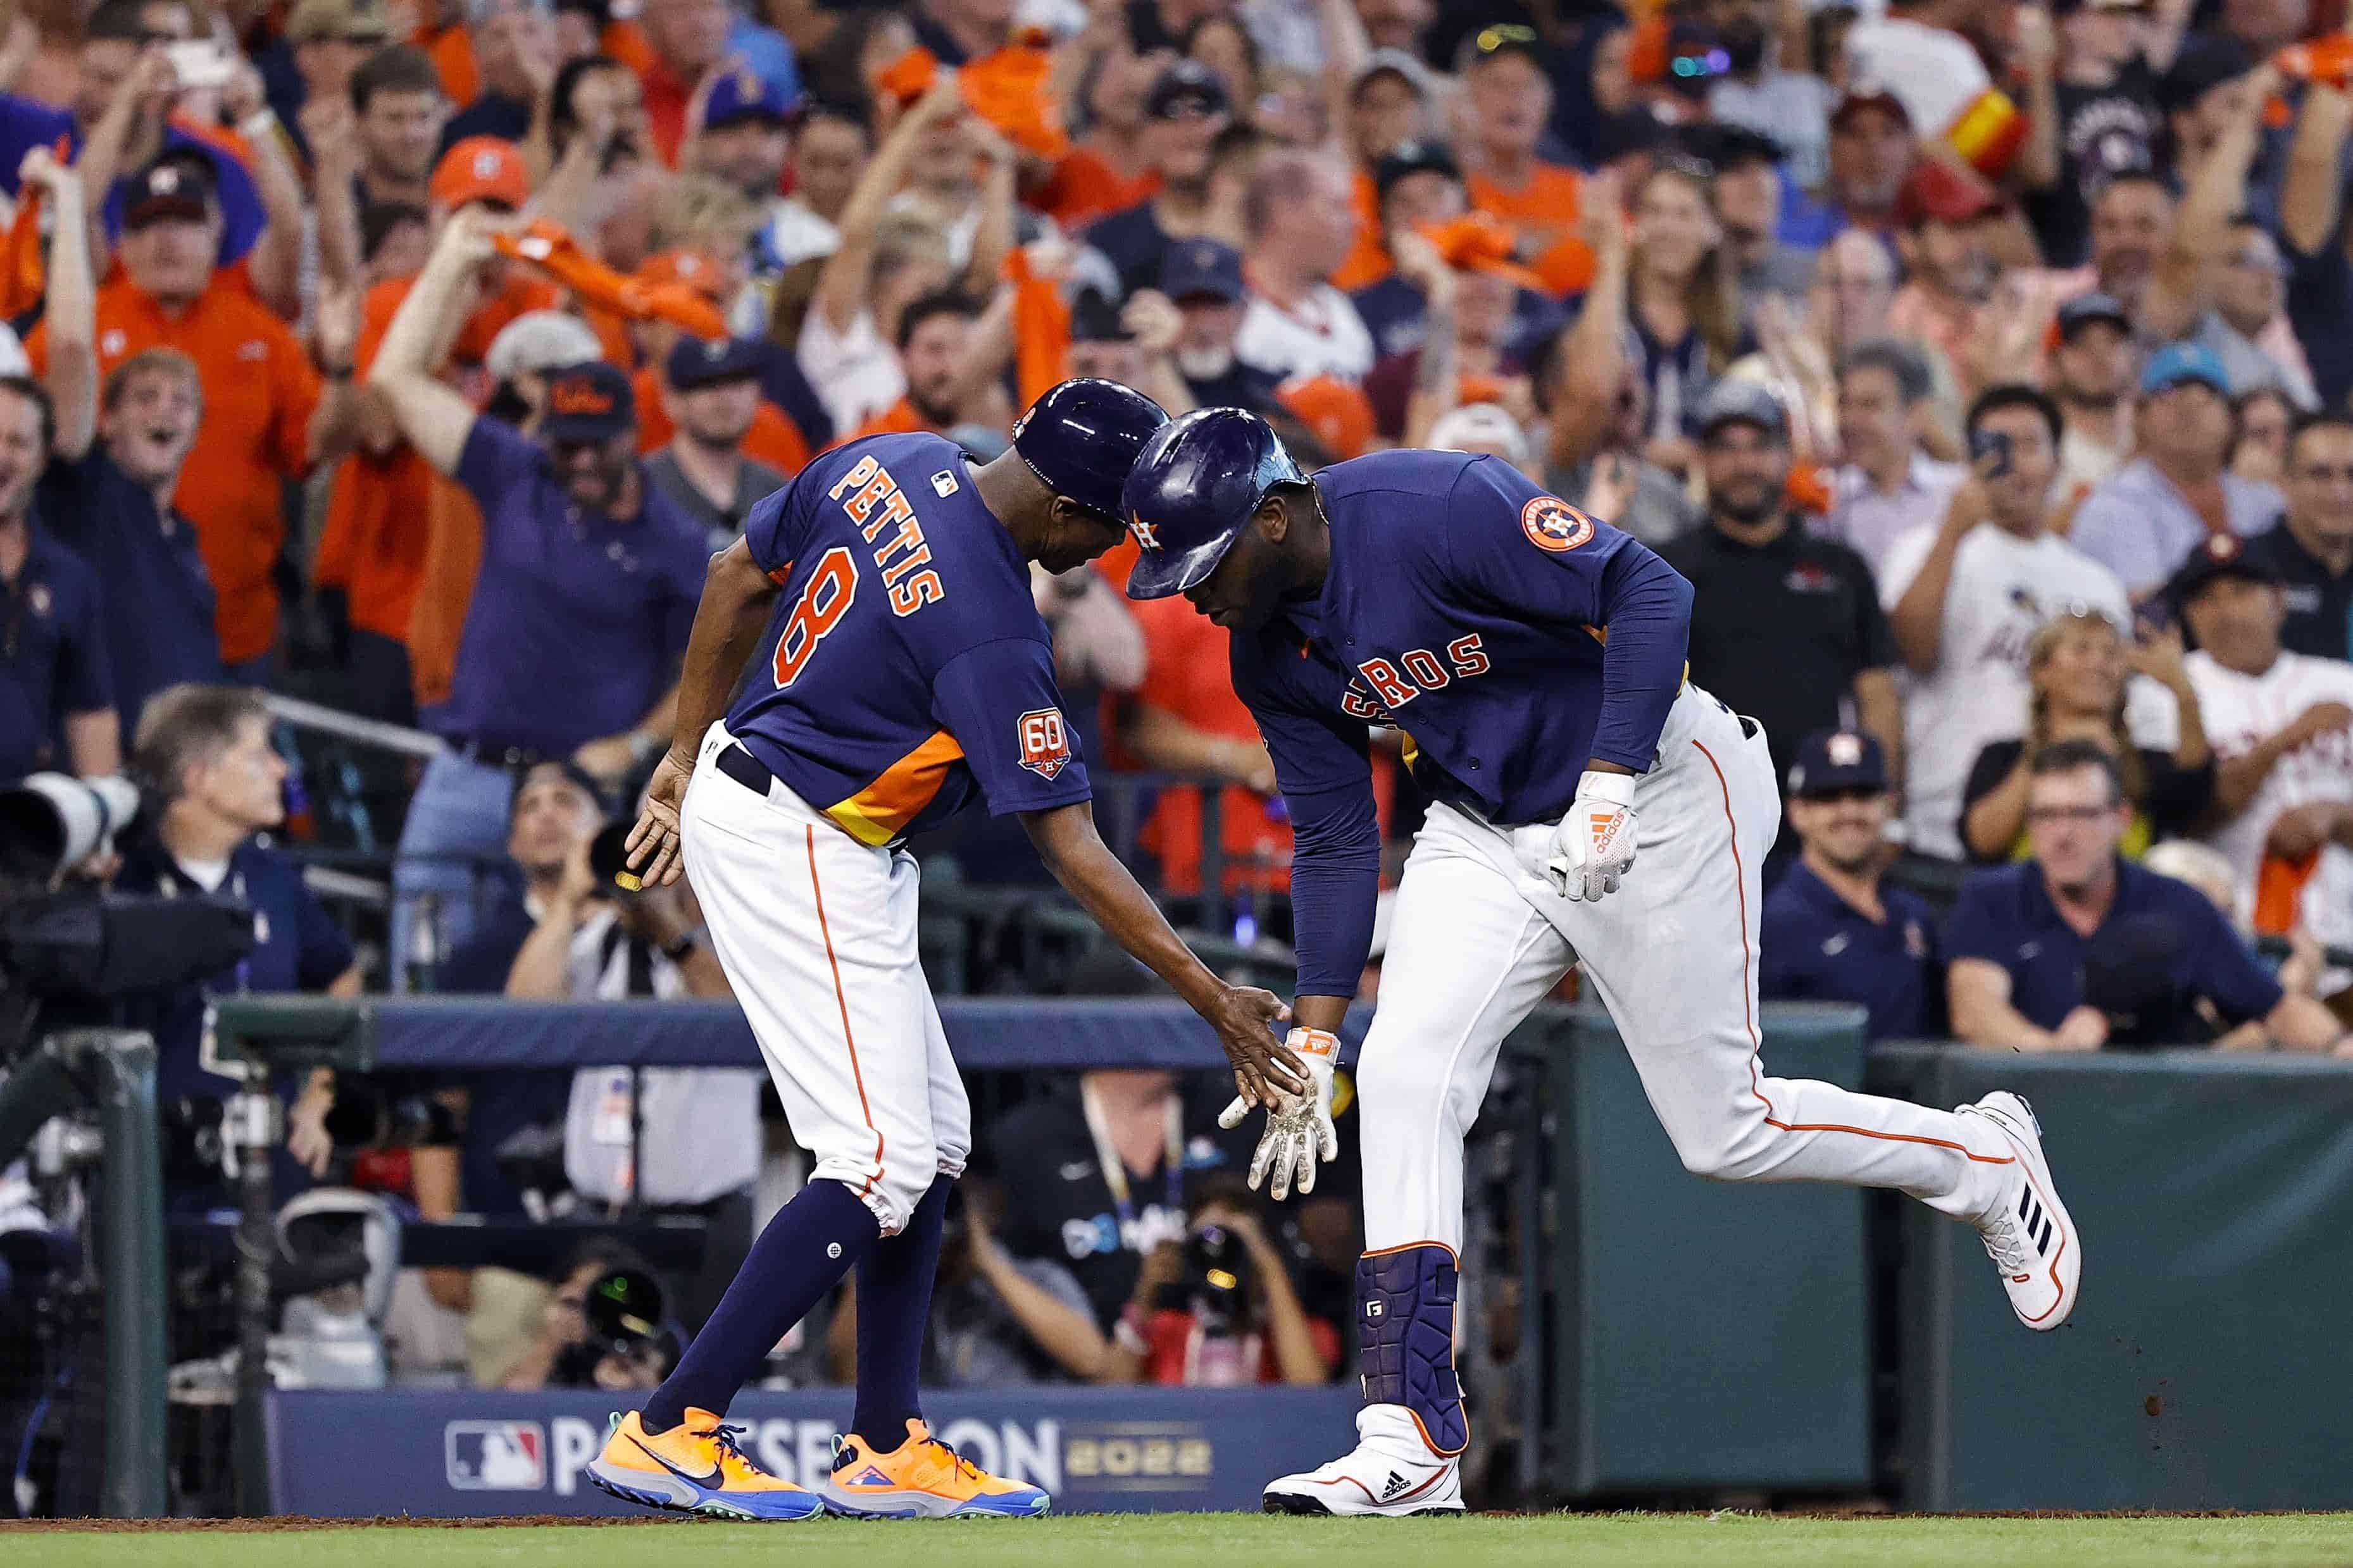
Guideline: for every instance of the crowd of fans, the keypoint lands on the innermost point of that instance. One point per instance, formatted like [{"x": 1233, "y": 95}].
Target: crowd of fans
[{"x": 1985, "y": 365}]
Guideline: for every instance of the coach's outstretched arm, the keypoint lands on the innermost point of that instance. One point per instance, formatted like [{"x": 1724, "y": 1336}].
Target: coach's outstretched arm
[{"x": 1068, "y": 843}]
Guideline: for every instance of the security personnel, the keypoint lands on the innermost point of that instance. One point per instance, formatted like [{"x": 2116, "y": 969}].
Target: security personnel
[{"x": 1834, "y": 929}]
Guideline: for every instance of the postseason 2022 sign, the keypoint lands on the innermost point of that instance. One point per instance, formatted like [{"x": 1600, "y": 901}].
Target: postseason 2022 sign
[{"x": 462, "y": 1454}]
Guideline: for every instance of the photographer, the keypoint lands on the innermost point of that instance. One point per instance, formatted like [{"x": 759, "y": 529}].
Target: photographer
[
  {"x": 1217, "y": 1308},
  {"x": 213, "y": 785},
  {"x": 997, "y": 1321},
  {"x": 603, "y": 1326},
  {"x": 683, "y": 1141}
]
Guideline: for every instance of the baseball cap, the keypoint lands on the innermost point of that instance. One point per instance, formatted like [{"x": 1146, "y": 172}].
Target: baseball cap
[
  {"x": 1201, "y": 269},
  {"x": 1500, "y": 38},
  {"x": 1740, "y": 401},
  {"x": 1336, "y": 411},
  {"x": 706, "y": 361},
  {"x": 588, "y": 403},
  {"x": 1937, "y": 191},
  {"x": 2219, "y": 555},
  {"x": 688, "y": 269},
  {"x": 2207, "y": 61},
  {"x": 1725, "y": 147},
  {"x": 1484, "y": 423},
  {"x": 1413, "y": 158},
  {"x": 2176, "y": 365},
  {"x": 174, "y": 185},
  {"x": 349, "y": 21},
  {"x": 1395, "y": 63},
  {"x": 2085, "y": 308},
  {"x": 1829, "y": 761},
  {"x": 743, "y": 95},
  {"x": 1187, "y": 82},
  {"x": 538, "y": 341},
  {"x": 481, "y": 169},
  {"x": 1866, "y": 94}
]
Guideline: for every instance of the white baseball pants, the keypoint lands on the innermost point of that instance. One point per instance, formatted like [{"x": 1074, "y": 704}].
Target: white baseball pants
[
  {"x": 817, "y": 933},
  {"x": 1478, "y": 938}
]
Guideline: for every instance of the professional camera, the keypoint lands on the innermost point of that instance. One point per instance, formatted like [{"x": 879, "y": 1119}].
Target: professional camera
[
  {"x": 79, "y": 946},
  {"x": 626, "y": 1345}
]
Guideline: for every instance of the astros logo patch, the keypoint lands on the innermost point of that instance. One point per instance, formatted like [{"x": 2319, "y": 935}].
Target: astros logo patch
[
  {"x": 1045, "y": 742},
  {"x": 1147, "y": 534},
  {"x": 1551, "y": 524}
]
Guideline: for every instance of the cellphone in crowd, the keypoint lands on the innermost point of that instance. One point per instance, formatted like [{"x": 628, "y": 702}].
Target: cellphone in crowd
[
  {"x": 199, "y": 64},
  {"x": 1989, "y": 451}
]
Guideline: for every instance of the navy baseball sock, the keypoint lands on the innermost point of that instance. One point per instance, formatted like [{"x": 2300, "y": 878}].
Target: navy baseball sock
[
  {"x": 894, "y": 1306},
  {"x": 813, "y": 1241}
]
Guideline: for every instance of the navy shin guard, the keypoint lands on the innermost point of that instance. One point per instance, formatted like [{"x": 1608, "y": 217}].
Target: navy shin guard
[{"x": 1405, "y": 1311}]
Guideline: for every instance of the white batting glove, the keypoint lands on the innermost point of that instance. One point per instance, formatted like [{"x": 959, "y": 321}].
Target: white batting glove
[
  {"x": 1298, "y": 1134},
  {"x": 1594, "y": 845}
]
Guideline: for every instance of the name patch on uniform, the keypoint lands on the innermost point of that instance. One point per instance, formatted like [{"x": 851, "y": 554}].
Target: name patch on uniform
[
  {"x": 1045, "y": 742},
  {"x": 1551, "y": 524}
]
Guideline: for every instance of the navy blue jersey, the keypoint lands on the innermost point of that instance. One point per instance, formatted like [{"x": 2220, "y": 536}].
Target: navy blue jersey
[
  {"x": 1820, "y": 948},
  {"x": 1466, "y": 607},
  {"x": 906, "y": 670}
]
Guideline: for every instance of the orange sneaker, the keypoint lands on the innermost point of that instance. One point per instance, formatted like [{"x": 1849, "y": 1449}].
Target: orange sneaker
[
  {"x": 695, "y": 1467},
  {"x": 923, "y": 1478}
]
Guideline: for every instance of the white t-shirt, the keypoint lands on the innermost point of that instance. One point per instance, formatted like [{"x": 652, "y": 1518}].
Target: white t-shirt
[
  {"x": 2242, "y": 711},
  {"x": 2003, "y": 588},
  {"x": 700, "y": 1126},
  {"x": 1323, "y": 336},
  {"x": 856, "y": 373}
]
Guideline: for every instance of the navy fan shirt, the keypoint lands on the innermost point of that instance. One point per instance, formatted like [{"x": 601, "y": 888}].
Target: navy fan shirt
[
  {"x": 906, "y": 671},
  {"x": 1464, "y": 606}
]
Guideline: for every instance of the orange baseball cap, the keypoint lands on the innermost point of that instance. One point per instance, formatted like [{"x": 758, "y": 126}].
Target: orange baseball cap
[
  {"x": 696, "y": 270},
  {"x": 1480, "y": 242},
  {"x": 1336, "y": 411},
  {"x": 481, "y": 169}
]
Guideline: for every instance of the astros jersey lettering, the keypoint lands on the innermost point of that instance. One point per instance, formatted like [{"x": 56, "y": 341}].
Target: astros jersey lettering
[
  {"x": 1463, "y": 606},
  {"x": 906, "y": 671}
]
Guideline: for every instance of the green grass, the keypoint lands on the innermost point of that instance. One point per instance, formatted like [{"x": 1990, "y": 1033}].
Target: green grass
[{"x": 1249, "y": 1541}]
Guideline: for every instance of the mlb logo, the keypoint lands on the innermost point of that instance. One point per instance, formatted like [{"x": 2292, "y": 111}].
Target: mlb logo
[
  {"x": 495, "y": 1456},
  {"x": 1045, "y": 742},
  {"x": 943, "y": 484}
]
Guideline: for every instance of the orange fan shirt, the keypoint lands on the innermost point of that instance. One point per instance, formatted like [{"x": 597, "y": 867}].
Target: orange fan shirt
[
  {"x": 1543, "y": 212},
  {"x": 373, "y": 546},
  {"x": 1186, "y": 676},
  {"x": 1368, "y": 260},
  {"x": 773, "y": 439},
  {"x": 259, "y": 392},
  {"x": 1083, "y": 187}
]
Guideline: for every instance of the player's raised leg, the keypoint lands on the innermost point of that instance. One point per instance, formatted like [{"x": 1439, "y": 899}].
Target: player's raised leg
[
  {"x": 1468, "y": 957},
  {"x": 1673, "y": 954}
]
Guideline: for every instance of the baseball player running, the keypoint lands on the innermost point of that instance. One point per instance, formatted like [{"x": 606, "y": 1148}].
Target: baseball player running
[
  {"x": 1590, "y": 804},
  {"x": 893, "y": 668}
]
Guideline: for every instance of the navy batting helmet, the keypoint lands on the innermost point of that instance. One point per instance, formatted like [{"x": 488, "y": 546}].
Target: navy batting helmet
[
  {"x": 1080, "y": 438},
  {"x": 1193, "y": 489}
]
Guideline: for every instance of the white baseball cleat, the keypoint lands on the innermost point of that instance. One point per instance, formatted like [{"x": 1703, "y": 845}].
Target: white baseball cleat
[
  {"x": 2027, "y": 1234},
  {"x": 1390, "y": 1472}
]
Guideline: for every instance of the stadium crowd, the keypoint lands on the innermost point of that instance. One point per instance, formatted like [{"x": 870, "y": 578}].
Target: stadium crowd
[{"x": 1985, "y": 365}]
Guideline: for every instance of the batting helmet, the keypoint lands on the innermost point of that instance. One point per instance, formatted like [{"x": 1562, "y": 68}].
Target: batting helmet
[
  {"x": 1193, "y": 489},
  {"x": 1081, "y": 435}
]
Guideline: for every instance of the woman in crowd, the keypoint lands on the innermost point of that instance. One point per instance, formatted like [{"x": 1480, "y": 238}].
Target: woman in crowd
[
  {"x": 1683, "y": 301},
  {"x": 2078, "y": 668}
]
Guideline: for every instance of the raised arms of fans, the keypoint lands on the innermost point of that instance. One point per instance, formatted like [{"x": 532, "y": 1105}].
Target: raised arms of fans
[
  {"x": 71, "y": 311},
  {"x": 433, "y": 417}
]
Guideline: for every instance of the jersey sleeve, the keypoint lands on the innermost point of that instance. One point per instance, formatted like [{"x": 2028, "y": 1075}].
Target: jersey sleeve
[
  {"x": 1322, "y": 765},
  {"x": 2226, "y": 970},
  {"x": 779, "y": 520},
  {"x": 1525, "y": 550},
  {"x": 999, "y": 702},
  {"x": 1975, "y": 927}
]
